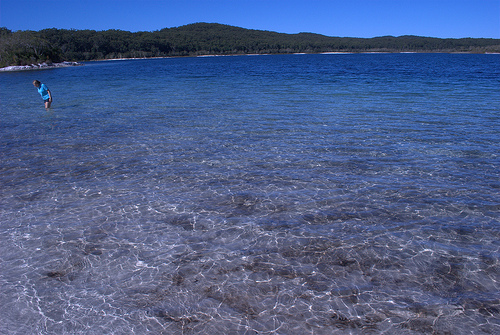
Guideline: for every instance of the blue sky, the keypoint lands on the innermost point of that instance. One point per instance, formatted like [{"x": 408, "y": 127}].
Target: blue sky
[{"x": 345, "y": 18}]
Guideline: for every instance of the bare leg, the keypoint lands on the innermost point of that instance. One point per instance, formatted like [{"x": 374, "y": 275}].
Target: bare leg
[{"x": 47, "y": 105}]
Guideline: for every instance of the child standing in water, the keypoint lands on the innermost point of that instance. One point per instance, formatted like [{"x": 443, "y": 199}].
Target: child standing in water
[{"x": 44, "y": 92}]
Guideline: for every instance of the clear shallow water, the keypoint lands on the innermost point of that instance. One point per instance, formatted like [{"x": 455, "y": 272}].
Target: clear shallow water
[{"x": 299, "y": 194}]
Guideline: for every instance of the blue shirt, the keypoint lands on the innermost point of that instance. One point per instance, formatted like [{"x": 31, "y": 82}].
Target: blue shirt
[{"x": 43, "y": 90}]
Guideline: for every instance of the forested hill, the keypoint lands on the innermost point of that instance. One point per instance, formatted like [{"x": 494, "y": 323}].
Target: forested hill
[{"x": 27, "y": 47}]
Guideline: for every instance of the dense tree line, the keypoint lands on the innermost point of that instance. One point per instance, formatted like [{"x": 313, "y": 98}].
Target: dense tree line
[{"x": 55, "y": 45}]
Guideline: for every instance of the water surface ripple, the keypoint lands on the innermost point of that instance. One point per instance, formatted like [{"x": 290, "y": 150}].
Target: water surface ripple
[{"x": 298, "y": 194}]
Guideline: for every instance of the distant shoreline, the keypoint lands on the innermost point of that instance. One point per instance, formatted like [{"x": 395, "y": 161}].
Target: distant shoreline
[
  {"x": 299, "y": 53},
  {"x": 40, "y": 66},
  {"x": 206, "y": 39}
]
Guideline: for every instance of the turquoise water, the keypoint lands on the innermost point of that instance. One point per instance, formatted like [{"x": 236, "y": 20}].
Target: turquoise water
[{"x": 297, "y": 194}]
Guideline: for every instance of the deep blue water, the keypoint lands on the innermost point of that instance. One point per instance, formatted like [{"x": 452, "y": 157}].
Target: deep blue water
[{"x": 297, "y": 194}]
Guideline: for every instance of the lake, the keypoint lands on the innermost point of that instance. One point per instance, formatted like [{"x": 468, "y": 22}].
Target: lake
[{"x": 273, "y": 194}]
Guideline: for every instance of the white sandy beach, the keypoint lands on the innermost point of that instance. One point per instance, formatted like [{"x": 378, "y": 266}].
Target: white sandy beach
[{"x": 42, "y": 66}]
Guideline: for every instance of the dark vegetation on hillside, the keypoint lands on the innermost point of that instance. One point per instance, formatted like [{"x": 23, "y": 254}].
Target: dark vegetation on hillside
[{"x": 56, "y": 45}]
